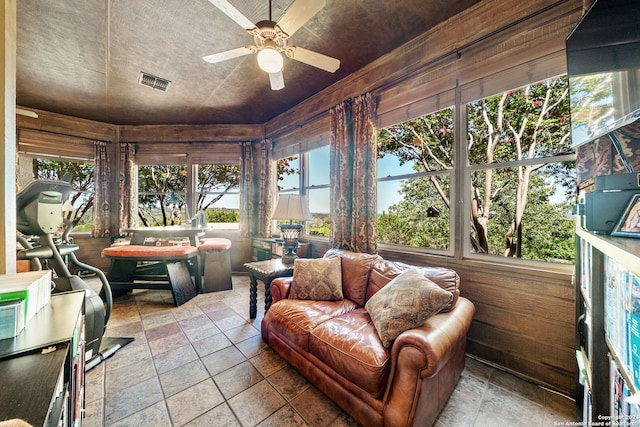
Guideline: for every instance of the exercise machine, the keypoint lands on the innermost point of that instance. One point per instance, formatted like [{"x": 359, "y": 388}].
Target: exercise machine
[{"x": 39, "y": 218}]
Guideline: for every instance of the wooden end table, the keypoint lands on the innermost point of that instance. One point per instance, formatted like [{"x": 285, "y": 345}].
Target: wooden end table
[{"x": 265, "y": 271}]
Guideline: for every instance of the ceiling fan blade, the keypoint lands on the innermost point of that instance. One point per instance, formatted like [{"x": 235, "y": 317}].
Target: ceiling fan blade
[
  {"x": 233, "y": 13},
  {"x": 315, "y": 59},
  {"x": 277, "y": 80},
  {"x": 299, "y": 13},
  {"x": 228, "y": 54},
  {"x": 27, "y": 113}
]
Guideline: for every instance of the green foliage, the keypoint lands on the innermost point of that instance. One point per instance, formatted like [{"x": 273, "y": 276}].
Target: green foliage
[
  {"x": 426, "y": 141},
  {"x": 222, "y": 215},
  {"x": 320, "y": 226}
]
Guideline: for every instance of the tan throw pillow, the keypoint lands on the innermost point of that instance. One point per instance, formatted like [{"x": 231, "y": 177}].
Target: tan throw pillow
[
  {"x": 404, "y": 303},
  {"x": 317, "y": 278}
]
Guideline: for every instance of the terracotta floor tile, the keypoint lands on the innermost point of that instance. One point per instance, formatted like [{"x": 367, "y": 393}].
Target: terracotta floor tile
[
  {"x": 211, "y": 344},
  {"x": 162, "y": 331},
  {"x": 205, "y": 364},
  {"x": 237, "y": 379},
  {"x": 256, "y": 403},
  {"x": 285, "y": 416},
  {"x": 220, "y": 416},
  {"x": 131, "y": 400},
  {"x": 191, "y": 403},
  {"x": 183, "y": 377},
  {"x": 316, "y": 408},
  {"x": 154, "y": 415}
]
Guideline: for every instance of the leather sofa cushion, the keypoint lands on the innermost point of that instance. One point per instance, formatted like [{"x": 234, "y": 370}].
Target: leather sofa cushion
[
  {"x": 295, "y": 319},
  {"x": 355, "y": 273},
  {"x": 350, "y": 346},
  {"x": 383, "y": 271}
]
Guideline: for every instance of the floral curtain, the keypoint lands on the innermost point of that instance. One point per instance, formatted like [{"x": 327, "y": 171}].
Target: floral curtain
[
  {"x": 353, "y": 175},
  {"x": 127, "y": 182},
  {"x": 256, "y": 190},
  {"x": 101, "y": 203}
]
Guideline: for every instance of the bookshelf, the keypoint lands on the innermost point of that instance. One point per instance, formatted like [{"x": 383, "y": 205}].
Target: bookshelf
[
  {"x": 608, "y": 309},
  {"x": 43, "y": 367},
  {"x": 603, "y": 69}
]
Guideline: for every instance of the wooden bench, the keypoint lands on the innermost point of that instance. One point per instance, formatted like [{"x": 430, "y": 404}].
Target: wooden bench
[{"x": 154, "y": 267}]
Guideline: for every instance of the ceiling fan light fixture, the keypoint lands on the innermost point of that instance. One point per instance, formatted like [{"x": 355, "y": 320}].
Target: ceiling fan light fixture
[{"x": 270, "y": 60}]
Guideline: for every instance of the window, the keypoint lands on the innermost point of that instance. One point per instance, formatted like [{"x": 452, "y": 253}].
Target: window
[
  {"x": 521, "y": 173},
  {"x": 79, "y": 173},
  {"x": 161, "y": 194},
  {"x": 415, "y": 160},
  {"x": 308, "y": 173},
  {"x": 218, "y": 192},
  {"x": 317, "y": 188}
]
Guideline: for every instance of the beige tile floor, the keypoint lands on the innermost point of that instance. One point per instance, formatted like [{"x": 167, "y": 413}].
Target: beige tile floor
[{"x": 204, "y": 364}]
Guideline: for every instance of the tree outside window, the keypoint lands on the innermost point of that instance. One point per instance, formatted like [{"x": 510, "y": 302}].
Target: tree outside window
[
  {"x": 162, "y": 193},
  {"x": 218, "y": 192},
  {"x": 156, "y": 186},
  {"x": 415, "y": 159},
  {"x": 522, "y": 188},
  {"x": 521, "y": 168}
]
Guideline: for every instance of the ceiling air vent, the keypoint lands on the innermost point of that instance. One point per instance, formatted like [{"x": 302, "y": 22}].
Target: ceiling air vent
[{"x": 154, "y": 82}]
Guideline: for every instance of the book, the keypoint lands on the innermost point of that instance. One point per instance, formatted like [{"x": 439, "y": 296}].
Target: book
[
  {"x": 33, "y": 287},
  {"x": 11, "y": 318}
]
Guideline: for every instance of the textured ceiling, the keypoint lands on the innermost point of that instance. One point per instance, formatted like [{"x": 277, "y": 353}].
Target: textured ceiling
[{"x": 82, "y": 57}]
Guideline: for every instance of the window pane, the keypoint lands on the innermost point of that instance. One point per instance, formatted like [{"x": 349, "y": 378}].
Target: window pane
[
  {"x": 525, "y": 123},
  {"x": 288, "y": 173},
  {"x": 81, "y": 176},
  {"x": 522, "y": 210},
  {"x": 415, "y": 212},
  {"x": 419, "y": 145},
  {"x": 161, "y": 194},
  {"x": 319, "y": 208},
  {"x": 218, "y": 195},
  {"x": 540, "y": 198},
  {"x": 318, "y": 166}
]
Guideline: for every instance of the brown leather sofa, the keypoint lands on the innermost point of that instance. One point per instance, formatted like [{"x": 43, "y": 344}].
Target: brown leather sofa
[{"x": 335, "y": 346}]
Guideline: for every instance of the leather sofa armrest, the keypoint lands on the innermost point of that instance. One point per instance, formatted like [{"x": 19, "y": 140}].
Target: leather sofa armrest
[
  {"x": 420, "y": 353},
  {"x": 280, "y": 288},
  {"x": 432, "y": 345}
]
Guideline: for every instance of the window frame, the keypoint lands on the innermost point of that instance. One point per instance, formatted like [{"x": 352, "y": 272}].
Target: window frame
[
  {"x": 303, "y": 186},
  {"x": 427, "y": 106}
]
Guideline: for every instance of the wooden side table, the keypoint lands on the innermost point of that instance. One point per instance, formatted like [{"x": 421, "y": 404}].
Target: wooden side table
[{"x": 265, "y": 271}]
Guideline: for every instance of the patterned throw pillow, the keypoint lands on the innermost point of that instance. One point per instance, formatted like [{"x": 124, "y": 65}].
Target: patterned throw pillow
[
  {"x": 317, "y": 278},
  {"x": 404, "y": 303}
]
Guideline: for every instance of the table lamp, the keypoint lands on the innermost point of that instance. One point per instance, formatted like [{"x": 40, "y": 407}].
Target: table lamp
[{"x": 292, "y": 207}]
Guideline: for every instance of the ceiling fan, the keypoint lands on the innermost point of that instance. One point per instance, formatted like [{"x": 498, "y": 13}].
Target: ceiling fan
[
  {"x": 271, "y": 40},
  {"x": 25, "y": 112}
]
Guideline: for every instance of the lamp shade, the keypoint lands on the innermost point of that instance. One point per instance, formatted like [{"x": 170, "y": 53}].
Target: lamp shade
[{"x": 292, "y": 207}]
